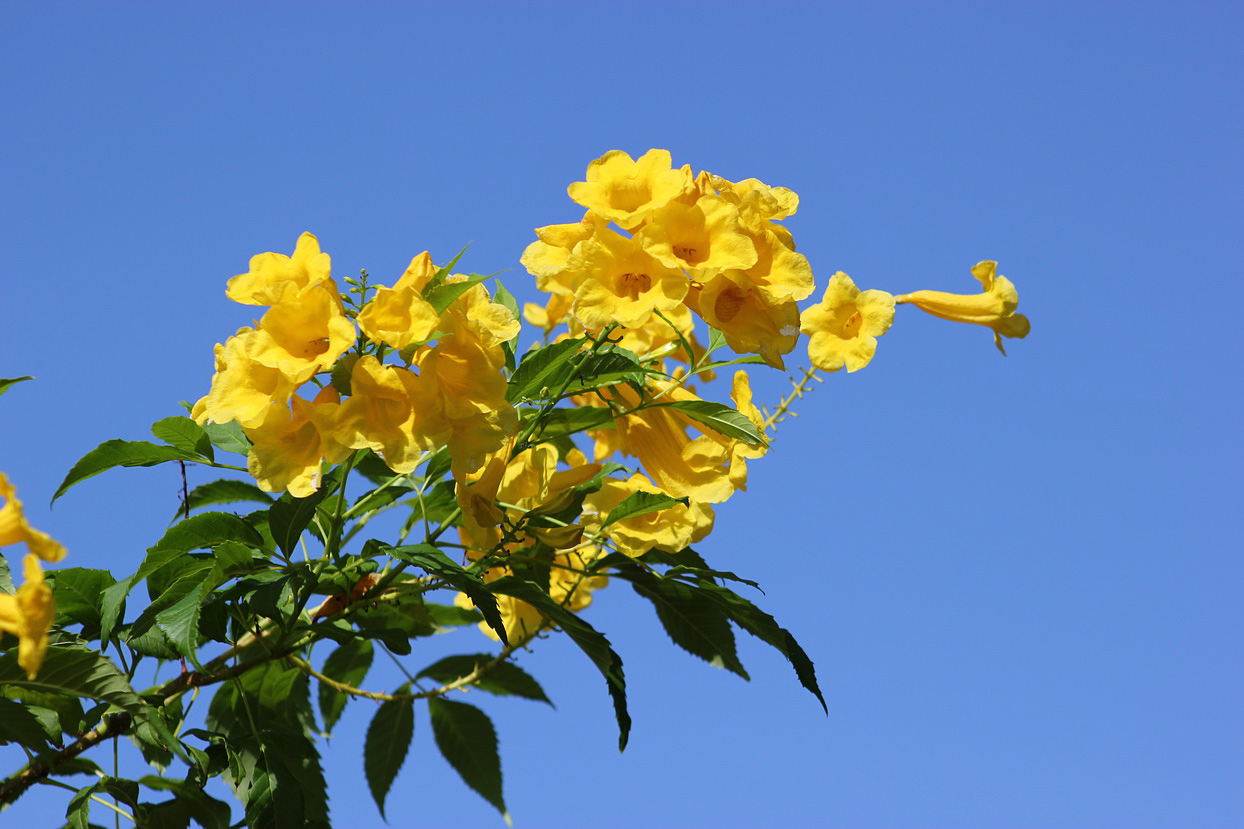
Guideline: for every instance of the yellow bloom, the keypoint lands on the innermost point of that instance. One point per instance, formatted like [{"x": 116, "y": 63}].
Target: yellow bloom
[
  {"x": 699, "y": 236},
  {"x": 393, "y": 411},
  {"x": 15, "y": 529},
  {"x": 29, "y": 615},
  {"x": 845, "y": 324},
  {"x": 994, "y": 308},
  {"x": 274, "y": 277},
  {"x": 400, "y": 316},
  {"x": 306, "y": 334},
  {"x": 626, "y": 191},
  {"x": 242, "y": 387},
  {"x": 621, "y": 282},
  {"x": 289, "y": 446},
  {"x": 731, "y": 303},
  {"x": 671, "y": 529},
  {"x": 548, "y": 259}
]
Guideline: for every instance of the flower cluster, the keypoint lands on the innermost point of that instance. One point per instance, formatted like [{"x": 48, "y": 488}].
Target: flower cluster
[{"x": 28, "y": 615}]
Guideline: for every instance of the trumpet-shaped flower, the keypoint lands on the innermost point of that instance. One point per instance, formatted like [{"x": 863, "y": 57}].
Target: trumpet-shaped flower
[
  {"x": 242, "y": 387},
  {"x": 15, "y": 529},
  {"x": 288, "y": 446},
  {"x": 845, "y": 324},
  {"x": 304, "y": 335},
  {"x": 671, "y": 529},
  {"x": 733, "y": 304},
  {"x": 626, "y": 190},
  {"x": 621, "y": 282},
  {"x": 274, "y": 277},
  {"x": 29, "y": 615},
  {"x": 700, "y": 236},
  {"x": 393, "y": 411},
  {"x": 400, "y": 316},
  {"x": 995, "y": 308}
]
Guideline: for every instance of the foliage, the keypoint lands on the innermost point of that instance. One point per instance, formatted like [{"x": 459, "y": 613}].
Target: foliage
[{"x": 414, "y": 401}]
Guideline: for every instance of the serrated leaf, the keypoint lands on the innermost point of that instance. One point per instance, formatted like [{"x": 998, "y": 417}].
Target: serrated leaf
[
  {"x": 543, "y": 368},
  {"x": 78, "y": 673},
  {"x": 608, "y": 368},
  {"x": 438, "y": 564},
  {"x": 640, "y": 503},
  {"x": 78, "y": 592},
  {"x": 442, "y": 296},
  {"x": 180, "y": 620},
  {"x": 7, "y": 383},
  {"x": 225, "y": 491},
  {"x": 388, "y": 742},
  {"x": 719, "y": 417},
  {"x": 289, "y": 516},
  {"x": 6, "y": 577},
  {"x": 503, "y": 679},
  {"x": 591, "y": 641},
  {"x": 349, "y": 664},
  {"x": 468, "y": 741},
  {"x": 228, "y": 437},
  {"x": 18, "y": 724},
  {"x": 694, "y": 622},
  {"x": 114, "y": 453},
  {"x": 183, "y": 433},
  {"x": 763, "y": 626}
]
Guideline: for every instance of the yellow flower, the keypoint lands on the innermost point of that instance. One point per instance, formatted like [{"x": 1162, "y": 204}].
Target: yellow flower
[
  {"x": 29, "y": 615},
  {"x": 274, "y": 277},
  {"x": 400, "y": 316},
  {"x": 289, "y": 446},
  {"x": 700, "y": 236},
  {"x": 994, "y": 308},
  {"x": 242, "y": 387},
  {"x": 621, "y": 282},
  {"x": 671, "y": 529},
  {"x": 626, "y": 191},
  {"x": 845, "y": 324},
  {"x": 393, "y": 411},
  {"x": 306, "y": 334},
  {"x": 15, "y": 529},
  {"x": 731, "y": 303}
]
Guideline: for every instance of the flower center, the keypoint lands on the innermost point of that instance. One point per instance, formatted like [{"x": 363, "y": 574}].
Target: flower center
[{"x": 631, "y": 285}]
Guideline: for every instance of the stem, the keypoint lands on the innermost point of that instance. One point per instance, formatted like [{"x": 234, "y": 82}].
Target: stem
[{"x": 800, "y": 389}]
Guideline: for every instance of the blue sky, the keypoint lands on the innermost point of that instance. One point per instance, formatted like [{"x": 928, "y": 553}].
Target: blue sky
[{"x": 1019, "y": 578}]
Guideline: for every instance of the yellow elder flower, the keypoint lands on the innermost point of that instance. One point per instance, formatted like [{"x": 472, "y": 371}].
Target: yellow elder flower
[
  {"x": 287, "y": 447},
  {"x": 625, "y": 191},
  {"x": 845, "y": 324},
  {"x": 29, "y": 615},
  {"x": 994, "y": 308},
  {"x": 671, "y": 529},
  {"x": 305, "y": 335},
  {"x": 700, "y": 236},
  {"x": 15, "y": 529},
  {"x": 779, "y": 273},
  {"x": 548, "y": 259},
  {"x": 274, "y": 277},
  {"x": 621, "y": 282},
  {"x": 400, "y": 316},
  {"x": 242, "y": 387},
  {"x": 391, "y": 410},
  {"x": 731, "y": 303}
]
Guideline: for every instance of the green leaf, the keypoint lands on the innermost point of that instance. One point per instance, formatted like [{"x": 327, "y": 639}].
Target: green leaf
[
  {"x": 607, "y": 369},
  {"x": 18, "y": 725},
  {"x": 591, "y": 641},
  {"x": 388, "y": 742},
  {"x": 447, "y": 616},
  {"x": 113, "y": 453},
  {"x": 693, "y": 621},
  {"x": 763, "y": 626},
  {"x": 289, "y": 516},
  {"x": 443, "y": 295},
  {"x": 8, "y": 382},
  {"x": 189, "y": 802},
  {"x": 6, "y": 577},
  {"x": 228, "y": 437},
  {"x": 577, "y": 419},
  {"x": 438, "y": 564},
  {"x": 183, "y": 433},
  {"x": 719, "y": 417},
  {"x": 503, "y": 297},
  {"x": 467, "y": 739},
  {"x": 225, "y": 491},
  {"x": 746, "y": 359},
  {"x": 349, "y": 664},
  {"x": 180, "y": 620},
  {"x": 505, "y": 679},
  {"x": 543, "y": 370},
  {"x": 641, "y": 503},
  {"x": 78, "y": 593},
  {"x": 716, "y": 340},
  {"x": 79, "y": 673}
]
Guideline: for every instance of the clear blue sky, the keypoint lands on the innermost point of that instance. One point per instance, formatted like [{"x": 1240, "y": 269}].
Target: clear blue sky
[{"x": 1020, "y": 578}]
